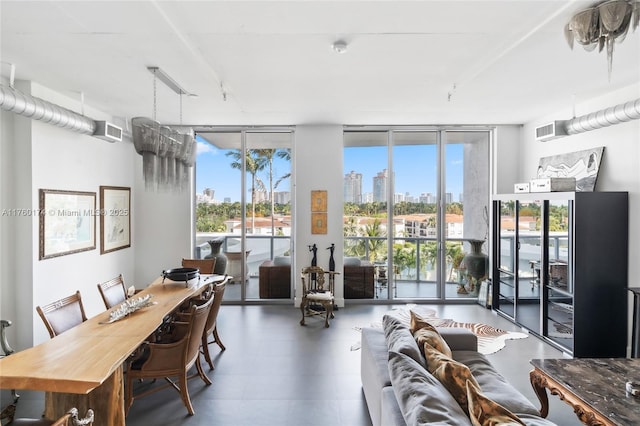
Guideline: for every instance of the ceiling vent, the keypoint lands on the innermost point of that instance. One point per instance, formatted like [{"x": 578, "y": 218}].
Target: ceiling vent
[
  {"x": 108, "y": 132},
  {"x": 553, "y": 130}
]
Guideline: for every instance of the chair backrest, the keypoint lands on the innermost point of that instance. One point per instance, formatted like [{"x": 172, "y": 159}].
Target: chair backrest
[
  {"x": 113, "y": 292},
  {"x": 218, "y": 295},
  {"x": 206, "y": 266},
  {"x": 314, "y": 280},
  {"x": 63, "y": 314},
  {"x": 198, "y": 315}
]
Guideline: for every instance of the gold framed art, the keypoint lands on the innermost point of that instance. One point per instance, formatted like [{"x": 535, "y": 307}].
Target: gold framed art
[
  {"x": 319, "y": 201},
  {"x": 319, "y": 223},
  {"x": 67, "y": 222}
]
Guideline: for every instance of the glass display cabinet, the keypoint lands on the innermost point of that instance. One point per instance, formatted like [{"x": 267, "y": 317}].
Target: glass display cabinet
[{"x": 559, "y": 268}]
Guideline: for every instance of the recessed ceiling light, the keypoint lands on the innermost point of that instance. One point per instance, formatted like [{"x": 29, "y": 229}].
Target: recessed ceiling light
[{"x": 340, "y": 46}]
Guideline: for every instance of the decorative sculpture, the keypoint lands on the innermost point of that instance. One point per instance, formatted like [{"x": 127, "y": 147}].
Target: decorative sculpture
[{"x": 332, "y": 262}]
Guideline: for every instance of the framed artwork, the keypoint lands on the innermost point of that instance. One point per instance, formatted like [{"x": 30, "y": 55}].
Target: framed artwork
[
  {"x": 67, "y": 222},
  {"x": 582, "y": 165},
  {"x": 319, "y": 201},
  {"x": 115, "y": 218},
  {"x": 319, "y": 223}
]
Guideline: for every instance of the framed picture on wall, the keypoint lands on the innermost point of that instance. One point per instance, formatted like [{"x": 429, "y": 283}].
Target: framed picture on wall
[
  {"x": 318, "y": 223},
  {"x": 319, "y": 201},
  {"x": 67, "y": 222},
  {"x": 115, "y": 218}
]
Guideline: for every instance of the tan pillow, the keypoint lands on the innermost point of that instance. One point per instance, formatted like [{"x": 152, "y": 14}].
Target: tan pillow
[
  {"x": 424, "y": 332},
  {"x": 485, "y": 412},
  {"x": 452, "y": 374}
]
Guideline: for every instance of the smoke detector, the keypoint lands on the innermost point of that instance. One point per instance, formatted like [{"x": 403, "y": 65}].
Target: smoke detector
[{"x": 340, "y": 46}]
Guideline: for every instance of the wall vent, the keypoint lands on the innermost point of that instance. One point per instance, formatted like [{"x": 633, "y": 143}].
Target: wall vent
[
  {"x": 108, "y": 132},
  {"x": 553, "y": 130}
]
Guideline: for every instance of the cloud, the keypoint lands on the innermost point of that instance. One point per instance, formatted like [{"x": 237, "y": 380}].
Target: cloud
[
  {"x": 457, "y": 162},
  {"x": 204, "y": 148}
]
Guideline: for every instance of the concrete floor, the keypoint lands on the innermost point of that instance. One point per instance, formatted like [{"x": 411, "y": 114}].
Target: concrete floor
[{"x": 277, "y": 373}]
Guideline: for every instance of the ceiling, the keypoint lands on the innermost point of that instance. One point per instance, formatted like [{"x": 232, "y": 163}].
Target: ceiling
[{"x": 411, "y": 62}]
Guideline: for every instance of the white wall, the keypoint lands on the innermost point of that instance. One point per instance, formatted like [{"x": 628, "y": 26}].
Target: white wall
[
  {"x": 619, "y": 169},
  {"x": 35, "y": 155},
  {"x": 318, "y": 165}
]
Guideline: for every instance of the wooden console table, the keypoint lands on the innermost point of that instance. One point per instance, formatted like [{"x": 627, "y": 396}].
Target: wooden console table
[
  {"x": 594, "y": 387},
  {"x": 82, "y": 367}
]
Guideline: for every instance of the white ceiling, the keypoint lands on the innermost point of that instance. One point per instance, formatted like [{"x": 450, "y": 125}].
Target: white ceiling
[{"x": 502, "y": 61}]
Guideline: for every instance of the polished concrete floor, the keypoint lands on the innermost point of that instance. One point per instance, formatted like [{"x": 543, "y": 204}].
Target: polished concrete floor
[{"x": 277, "y": 373}]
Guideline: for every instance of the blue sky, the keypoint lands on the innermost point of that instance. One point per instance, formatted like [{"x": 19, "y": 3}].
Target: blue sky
[{"x": 415, "y": 169}]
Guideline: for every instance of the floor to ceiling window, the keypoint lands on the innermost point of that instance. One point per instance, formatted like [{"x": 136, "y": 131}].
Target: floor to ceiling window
[
  {"x": 243, "y": 209},
  {"x": 437, "y": 182}
]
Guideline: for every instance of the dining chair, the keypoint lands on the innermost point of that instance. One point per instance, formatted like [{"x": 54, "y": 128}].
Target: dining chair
[
  {"x": 113, "y": 292},
  {"x": 171, "y": 358},
  {"x": 63, "y": 314},
  {"x": 206, "y": 266},
  {"x": 211, "y": 328},
  {"x": 69, "y": 419},
  {"x": 316, "y": 290}
]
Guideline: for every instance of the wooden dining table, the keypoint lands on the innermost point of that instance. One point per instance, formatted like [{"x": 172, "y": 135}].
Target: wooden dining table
[{"x": 83, "y": 367}]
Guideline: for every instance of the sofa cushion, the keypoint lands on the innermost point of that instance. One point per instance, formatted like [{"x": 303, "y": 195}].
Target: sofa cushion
[
  {"x": 424, "y": 332},
  {"x": 485, "y": 412},
  {"x": 493, "y": 384},
  {"x": 282, "y": 260},
  {"x": 351, "y": 261},
  {"x": 452, "y": 374},
  {"x": 399, "y": 339},
  {"x": 423, "y": 400}
]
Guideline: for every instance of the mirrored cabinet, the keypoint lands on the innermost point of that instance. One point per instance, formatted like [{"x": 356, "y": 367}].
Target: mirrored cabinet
[{"x": 559, "y": 268}]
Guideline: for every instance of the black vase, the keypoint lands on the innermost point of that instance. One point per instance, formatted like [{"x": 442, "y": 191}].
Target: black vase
[
  {"x": 476, "y": 262},
  {"x": 220, "y": 267}
]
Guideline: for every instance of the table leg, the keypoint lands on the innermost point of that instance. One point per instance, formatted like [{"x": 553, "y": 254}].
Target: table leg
[
  {"x": 107, "y": 401},
  {"x": 539, "y": 384}
]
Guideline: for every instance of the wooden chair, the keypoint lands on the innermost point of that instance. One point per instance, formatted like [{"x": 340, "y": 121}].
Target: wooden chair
[
  {"x": 211, "y": 328},
  {"x": 206, "y": 266},
  {"x": 172, "y": 358},
  {"x": 113, "y": 292},
  {"x": 63, "y": 314},
  {"x": 317, "y": 290},
  {"x": 69, "y": 419}
]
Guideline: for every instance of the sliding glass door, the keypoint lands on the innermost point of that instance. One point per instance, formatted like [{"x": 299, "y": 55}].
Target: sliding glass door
[
  {"x": 243, "y": 209},
  {"x": 437, "y": 184}
]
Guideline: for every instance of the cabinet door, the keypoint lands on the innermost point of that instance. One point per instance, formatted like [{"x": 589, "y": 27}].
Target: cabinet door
[
  {"x": 559, "y": 310},
  {"x": 506, "y": 253},
  {"x": 530, "y": 264}
]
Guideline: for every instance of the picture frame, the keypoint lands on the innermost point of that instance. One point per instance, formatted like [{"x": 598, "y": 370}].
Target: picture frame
[
  {"x": 115, "y": 218},
  {"x": 319, "y": 223},
  {"x": 319, "y": 201},
  {"x": 67, "y": 222}
]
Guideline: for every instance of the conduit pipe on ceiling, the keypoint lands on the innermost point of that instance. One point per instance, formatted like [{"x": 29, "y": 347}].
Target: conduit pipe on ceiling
[
  {"x": 38, "y": 109},
  {"x": 605, "y": 117}
]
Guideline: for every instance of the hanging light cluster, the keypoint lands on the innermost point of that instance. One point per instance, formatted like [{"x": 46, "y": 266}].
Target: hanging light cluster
[
  {"x": 167, "y": 153},
  {"x": 603, "y": 25}
]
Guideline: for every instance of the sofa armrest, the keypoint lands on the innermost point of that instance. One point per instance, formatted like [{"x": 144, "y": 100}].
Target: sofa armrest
[{"x": 459, "y": 339}]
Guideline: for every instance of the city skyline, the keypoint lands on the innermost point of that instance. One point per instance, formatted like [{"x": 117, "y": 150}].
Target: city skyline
[{"x": 414, "y": 173}]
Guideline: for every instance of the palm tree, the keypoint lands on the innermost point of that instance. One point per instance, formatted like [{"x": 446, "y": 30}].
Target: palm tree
[
  {"x": 254, "y": 164},
  {"x": 267, "y": 156}
]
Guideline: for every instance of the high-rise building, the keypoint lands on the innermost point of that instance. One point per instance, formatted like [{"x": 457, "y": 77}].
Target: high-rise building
[
  {"x": 282, "y": 197},
  {"x": 353, "y": 188},
  {"x": 380, "y": 186}
]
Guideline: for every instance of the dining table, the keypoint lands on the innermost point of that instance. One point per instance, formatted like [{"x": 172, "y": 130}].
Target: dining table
[{"x": 83, "y": 367}]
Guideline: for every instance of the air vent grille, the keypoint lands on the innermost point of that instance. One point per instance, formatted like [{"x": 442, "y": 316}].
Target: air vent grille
[
  {"x": 550, "y": 131},
  {"x": 108, "y": 132}
]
